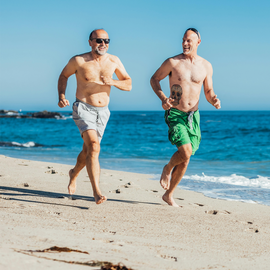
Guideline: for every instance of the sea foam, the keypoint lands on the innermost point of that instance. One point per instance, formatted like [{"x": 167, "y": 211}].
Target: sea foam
[{"x": 238, "y": 180}]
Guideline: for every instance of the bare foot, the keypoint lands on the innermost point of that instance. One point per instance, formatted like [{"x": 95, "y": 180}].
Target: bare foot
[
  {"x": 72, "y": 182},
  {"x": 100, "y": 199},
  {"x": 169, "y": 200},
  {"x": 165, "y": 178}
]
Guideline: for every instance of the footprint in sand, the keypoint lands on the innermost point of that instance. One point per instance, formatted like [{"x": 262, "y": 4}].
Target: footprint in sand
[
  {"x": 252, "y": 230},
  {"x": 51, "y": 172},
  {"x": 211, "y": 212},
  {"x": 215, "y": 212},
  {"x": 108, "y": 241},
  {"x": 199, "y": 204},
  {"x": 111, "y": 232},
  {"x": 245, "y": 222},
  {"x": 168, "y": 257}
]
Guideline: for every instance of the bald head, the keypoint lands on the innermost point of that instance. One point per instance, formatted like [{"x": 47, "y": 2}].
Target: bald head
[
  {"x": 193, "y": 30},
  {"x": 95, "y": 33}
]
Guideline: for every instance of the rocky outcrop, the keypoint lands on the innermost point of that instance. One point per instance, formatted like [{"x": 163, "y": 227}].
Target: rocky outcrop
[
  {"x": 43, "y": 114},
  {"x": 46, "y": 114},
  {"x": 7, "y": 112}
]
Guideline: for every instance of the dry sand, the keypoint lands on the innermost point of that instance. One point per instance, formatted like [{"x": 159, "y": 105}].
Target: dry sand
[{"x": 134, "y": 227}]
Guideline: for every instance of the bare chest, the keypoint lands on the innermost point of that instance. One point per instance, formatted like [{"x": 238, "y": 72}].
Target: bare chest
[
  {"x": 189, "y": 73},
  {"x": 91, "y": 72}
]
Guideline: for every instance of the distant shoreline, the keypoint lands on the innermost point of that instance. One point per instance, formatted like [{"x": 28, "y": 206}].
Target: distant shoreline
[{"x": 139, "y": 111}]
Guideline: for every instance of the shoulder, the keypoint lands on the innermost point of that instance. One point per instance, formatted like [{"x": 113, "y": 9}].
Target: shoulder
[
  {"x": 114, "y": 59},
  {"x": 80, "y": 58},
  {"x": 207, "y": 65},
  {"x": 171, "y": 61},
  {"x": 75, "y": 60},
  {"x": 174, "y": 60}
]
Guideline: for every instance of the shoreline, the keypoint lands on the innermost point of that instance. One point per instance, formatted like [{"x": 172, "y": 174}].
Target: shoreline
[
  {"x": 192, "y": 181},
  {"x": 134, "y": 227}
]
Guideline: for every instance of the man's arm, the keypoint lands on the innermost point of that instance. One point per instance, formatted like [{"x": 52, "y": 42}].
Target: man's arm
[
  {"x": 124, "y": 81},
  {"x": 68, "y": 70},
  {"x": 159, "y": 75},
  {"x": 208, "y": 87}
]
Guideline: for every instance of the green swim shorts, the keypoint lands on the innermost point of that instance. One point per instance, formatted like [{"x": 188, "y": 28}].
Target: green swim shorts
[{"x": 184, "y": 128}]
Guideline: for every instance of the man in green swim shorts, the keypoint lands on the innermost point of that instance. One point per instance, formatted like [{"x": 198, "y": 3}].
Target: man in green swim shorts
[{"x": 187, "y": 73}]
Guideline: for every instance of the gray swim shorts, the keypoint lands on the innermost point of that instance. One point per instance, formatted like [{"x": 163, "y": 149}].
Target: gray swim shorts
[{"x": 88, "y": 117}]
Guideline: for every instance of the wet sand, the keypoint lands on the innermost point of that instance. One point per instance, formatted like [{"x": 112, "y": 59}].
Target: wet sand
[{"x": 134, "y": 226}]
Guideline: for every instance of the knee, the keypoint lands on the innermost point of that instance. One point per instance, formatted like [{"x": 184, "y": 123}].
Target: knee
[
  {"x": 186, "y": 154},
  {"x": 93, "y": 148},
  {"x": 186, "y": 162}
]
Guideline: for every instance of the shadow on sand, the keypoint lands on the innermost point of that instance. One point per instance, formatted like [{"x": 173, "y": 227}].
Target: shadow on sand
[{"x": 14, "y": 192}]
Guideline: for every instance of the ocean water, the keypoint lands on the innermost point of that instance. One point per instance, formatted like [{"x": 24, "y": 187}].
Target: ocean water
[{"x": 232, "y": 163}]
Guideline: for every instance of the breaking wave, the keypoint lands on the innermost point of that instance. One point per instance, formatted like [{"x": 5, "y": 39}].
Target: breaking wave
[
  {"x": 25, "y": 145},
  {"x": 238, "y": 180}
]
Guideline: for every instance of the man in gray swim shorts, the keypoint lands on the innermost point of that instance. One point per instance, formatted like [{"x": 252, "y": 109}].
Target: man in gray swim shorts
[
  {"x": 94, "y": 72},
  {"x": 88, "y": 117}
]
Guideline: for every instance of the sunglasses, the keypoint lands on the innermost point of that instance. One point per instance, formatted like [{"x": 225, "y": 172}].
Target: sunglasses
[{"x": 100, "y": 40}]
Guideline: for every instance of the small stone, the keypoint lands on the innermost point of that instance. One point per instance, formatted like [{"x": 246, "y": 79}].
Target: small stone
[
  {"x": 25, "y": 185},
  {"x": 118, "y": 190}
]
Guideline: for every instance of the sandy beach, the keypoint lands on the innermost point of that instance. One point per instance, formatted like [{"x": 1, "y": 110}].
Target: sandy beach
[{"x": 134, "y": 227}]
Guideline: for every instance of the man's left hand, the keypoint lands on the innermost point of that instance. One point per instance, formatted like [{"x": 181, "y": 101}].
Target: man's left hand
[
  {"x": 107, "y": 80},
  {"x": 216, "y": 102}
]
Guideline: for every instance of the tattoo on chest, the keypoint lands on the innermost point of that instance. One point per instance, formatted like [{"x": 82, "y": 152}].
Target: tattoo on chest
[{"x": 176, "y": 93}]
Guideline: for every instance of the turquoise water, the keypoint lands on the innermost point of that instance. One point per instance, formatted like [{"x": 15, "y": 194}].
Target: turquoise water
[{"x": 233, "y": 161}]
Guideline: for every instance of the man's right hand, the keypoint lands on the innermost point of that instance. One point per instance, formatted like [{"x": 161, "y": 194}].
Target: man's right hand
[
  {"x": 63, "y": 103},
  {"x": 167, "y": 103}
]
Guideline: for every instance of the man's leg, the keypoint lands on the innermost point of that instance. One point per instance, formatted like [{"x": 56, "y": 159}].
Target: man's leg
[
  {"x": 181, "y": 156},
  {"x": 92, "y": 145},
  {"x": 73, "y": 173},
  {"x": 177, "y": 174}
]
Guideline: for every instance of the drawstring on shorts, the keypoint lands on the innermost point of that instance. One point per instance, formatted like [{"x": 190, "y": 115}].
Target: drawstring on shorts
[{"x": 190, "y": 119}]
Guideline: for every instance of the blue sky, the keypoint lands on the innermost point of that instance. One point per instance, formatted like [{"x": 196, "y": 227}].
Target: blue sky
[{"x": 39, "y": 37}]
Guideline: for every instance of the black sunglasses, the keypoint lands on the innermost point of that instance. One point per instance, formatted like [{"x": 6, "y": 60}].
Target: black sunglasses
[{"x": 100, "y": 40}]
